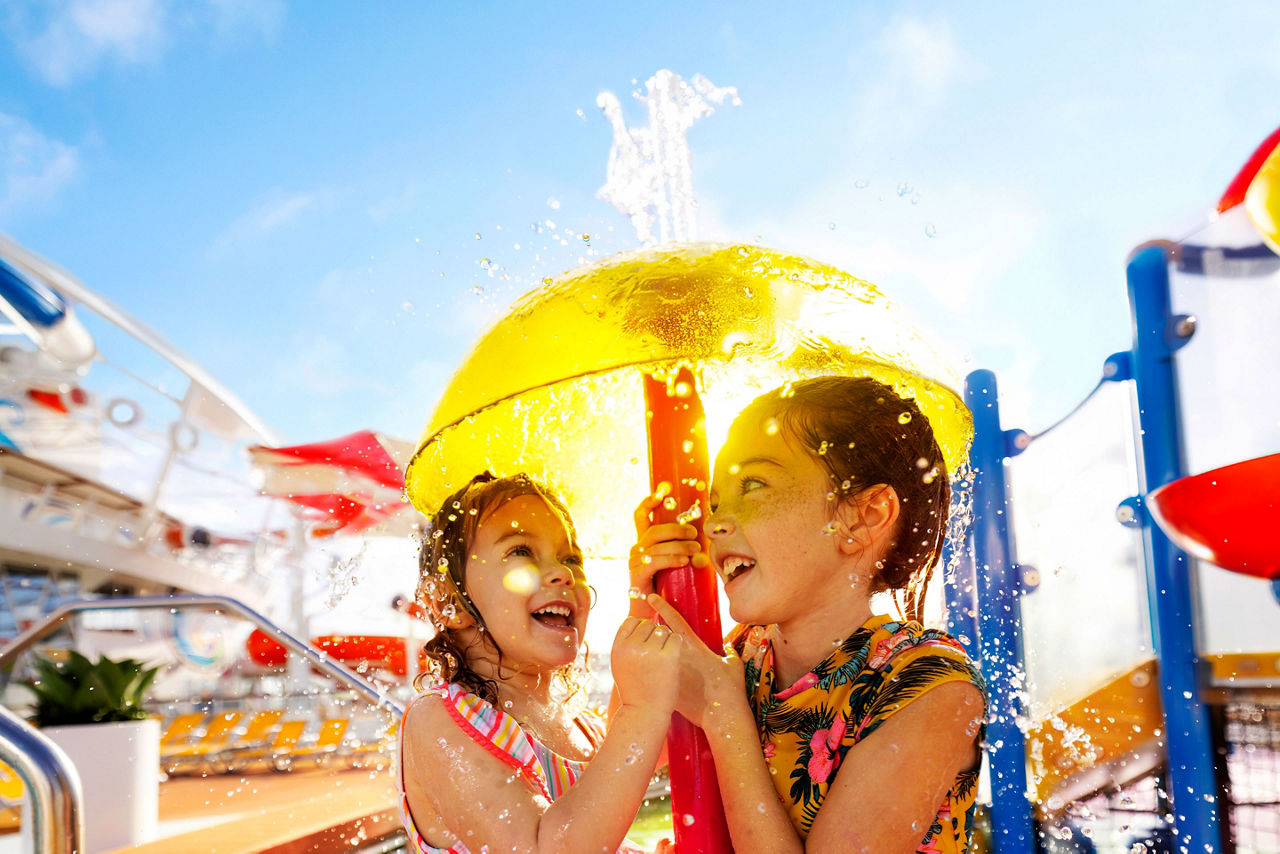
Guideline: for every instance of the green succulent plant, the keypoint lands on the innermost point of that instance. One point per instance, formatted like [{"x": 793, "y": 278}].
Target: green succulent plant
[{"x": 80, "y": 691}]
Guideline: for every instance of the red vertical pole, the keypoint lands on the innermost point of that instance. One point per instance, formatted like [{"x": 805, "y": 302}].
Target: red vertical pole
[{"x": 678, "y": 456}]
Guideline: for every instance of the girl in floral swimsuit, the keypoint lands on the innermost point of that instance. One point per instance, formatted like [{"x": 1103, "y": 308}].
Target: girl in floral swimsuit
[
  {"x": 832, "y": 728},
  {"x": 492, "y": 749}
]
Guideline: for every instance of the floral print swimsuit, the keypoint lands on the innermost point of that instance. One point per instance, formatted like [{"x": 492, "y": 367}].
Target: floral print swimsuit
[{"x": 806, "y": 729}]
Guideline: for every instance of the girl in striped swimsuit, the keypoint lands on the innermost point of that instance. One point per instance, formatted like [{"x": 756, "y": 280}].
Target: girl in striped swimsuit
[{"x": 492, "y": 748}]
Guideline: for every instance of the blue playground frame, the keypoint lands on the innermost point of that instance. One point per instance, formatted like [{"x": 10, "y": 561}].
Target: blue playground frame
[{"x": 985, "y": 589}]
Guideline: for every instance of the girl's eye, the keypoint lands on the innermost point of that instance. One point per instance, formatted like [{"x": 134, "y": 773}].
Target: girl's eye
[
  {"x": 573, "y": 560},
  {"x": 519, "y": 551},
  {"x": 749, "y": 484}
]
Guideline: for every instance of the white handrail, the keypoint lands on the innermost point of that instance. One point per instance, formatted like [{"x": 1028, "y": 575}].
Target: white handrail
[{"x": 52, "y": 785}]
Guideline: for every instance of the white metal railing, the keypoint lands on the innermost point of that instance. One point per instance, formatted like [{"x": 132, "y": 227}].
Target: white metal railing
[
  {"x": 51, "y": 783},
  {"x": 50, "y": 779}
]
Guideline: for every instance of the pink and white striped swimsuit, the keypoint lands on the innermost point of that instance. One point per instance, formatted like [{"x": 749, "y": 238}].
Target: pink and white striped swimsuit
[{"x": 499, "y": 733}]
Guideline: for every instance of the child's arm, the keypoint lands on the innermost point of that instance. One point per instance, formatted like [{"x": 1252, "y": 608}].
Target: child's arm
[
  {"x": 488, "y": 803},
  {"x": 889, "y": 786}
]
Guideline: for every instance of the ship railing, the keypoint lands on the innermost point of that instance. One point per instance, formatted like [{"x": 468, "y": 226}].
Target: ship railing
[
  {"x": 50, "y": 780},
  {"x": 56, "y": 798}
]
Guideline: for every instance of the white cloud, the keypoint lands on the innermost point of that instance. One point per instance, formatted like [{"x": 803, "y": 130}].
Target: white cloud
[
  {"x": 77, "y": 36},
  {"x": 257, "y": 17},
  {"x": 318, "y": 365},
  {"x": 924, "y": 55},
  {"x": 66, "y": 40},
  {"x": 917, "y": 63},
  {"x": 270, "y": 213},
  {"x": 33, "y": 167}
]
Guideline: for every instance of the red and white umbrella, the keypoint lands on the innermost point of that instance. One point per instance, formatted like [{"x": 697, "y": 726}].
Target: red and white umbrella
[{"x": 353, "y": 484}]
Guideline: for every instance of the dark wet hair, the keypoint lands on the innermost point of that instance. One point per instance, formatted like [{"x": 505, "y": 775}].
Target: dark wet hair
[
  {"x": 863, "y": 434},
  {"x": 442, "y": 578}
]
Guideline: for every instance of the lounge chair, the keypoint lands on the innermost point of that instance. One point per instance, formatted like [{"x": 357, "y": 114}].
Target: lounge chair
[
  {"x": 319, "y": 753},
  {"x": 192, "y": 757},
  {"x": 179, "y": 728},
  {"x": 238, "y": 759}
]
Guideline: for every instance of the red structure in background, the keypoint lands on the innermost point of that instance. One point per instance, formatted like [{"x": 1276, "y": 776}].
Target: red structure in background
[
  {"x": 382, "y": 652},
  {"x": 678, "y": 456},
  {"x": 1229, "y": 516},
  {"x": 1235, "y": 192}
]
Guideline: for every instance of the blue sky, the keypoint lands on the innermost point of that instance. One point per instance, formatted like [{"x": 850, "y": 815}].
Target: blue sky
[{"x": 322, "y": 202}]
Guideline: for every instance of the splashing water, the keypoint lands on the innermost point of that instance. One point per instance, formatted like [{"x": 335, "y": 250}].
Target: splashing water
[
  {"x": 649, "y": 178},
  {"x": 343, "y": 576}
]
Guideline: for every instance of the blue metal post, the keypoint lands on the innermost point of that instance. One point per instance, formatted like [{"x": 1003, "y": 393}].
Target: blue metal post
[
  {"x": 1170, "y": 585},
  {"x": 999, "y": 622}
]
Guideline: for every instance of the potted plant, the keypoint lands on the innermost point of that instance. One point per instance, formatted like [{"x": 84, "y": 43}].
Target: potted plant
[{"x": 93, "y": 710}]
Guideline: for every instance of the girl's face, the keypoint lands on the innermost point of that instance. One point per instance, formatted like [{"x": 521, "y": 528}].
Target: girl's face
[
  {"x": 772, "y": 535},
  {"x": 524, "y": 575}
]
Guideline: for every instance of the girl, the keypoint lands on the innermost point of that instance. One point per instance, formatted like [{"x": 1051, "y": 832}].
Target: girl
[
  {"x": 491, "y": 750},
  {"x": 832, "y": 728}
]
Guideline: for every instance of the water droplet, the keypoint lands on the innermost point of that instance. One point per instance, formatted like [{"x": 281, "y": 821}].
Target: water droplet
[
  {"x": 477, "y": 235},
  {"x": 831, "y": 226},
  {"x": 687, "y": 819},
  {"x": 930, "y": 230},
  {"x": 552, "y": 201},
  {"x": 904, "y": 418},
  {"x": 693, "y": 513},
  {"x": 771, "y": 427},
  {"x": 861, "y": 184},
  {"x": 904, "y": 187}
]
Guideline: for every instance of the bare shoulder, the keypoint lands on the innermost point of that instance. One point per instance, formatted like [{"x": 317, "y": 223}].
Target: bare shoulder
[
  {"x": 455, "y": 785},
  {"x": 890, "y": 783}
]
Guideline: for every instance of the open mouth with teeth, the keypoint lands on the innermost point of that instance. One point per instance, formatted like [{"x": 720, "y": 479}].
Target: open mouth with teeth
[
  {"x": 734, "y": 565},
  {"x": 556, "y": 616}
]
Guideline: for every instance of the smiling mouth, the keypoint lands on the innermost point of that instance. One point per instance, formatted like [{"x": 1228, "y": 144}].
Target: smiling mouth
[
  {"x": 733, "y": 566},
  {"x": 557, "y": 616}
]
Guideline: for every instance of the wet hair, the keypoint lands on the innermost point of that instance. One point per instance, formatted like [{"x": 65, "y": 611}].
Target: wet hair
[
  {"x": 865, "y": 434},
  {"x": 442, "y": 580}
]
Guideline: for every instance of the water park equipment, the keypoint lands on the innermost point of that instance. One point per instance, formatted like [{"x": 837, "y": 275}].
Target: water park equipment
[
  {"x": 1192, "y": 732},
  {"x": 610, "y": 364}
]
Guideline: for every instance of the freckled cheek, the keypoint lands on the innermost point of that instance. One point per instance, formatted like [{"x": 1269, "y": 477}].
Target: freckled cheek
[{"x": 787, "y": 504}]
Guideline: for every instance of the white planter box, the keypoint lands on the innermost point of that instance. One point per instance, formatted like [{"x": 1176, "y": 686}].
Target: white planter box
[{"x": 119, "y": 768}]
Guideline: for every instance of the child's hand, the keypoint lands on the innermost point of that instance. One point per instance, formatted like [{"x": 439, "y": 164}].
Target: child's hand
[
  {"x": 708, "y": 682},
  {"x": 646, "y": 665},
  {"x": 660, "y": 546}
]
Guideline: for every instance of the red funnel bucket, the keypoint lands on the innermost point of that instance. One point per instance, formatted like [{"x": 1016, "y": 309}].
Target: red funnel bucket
[{"x": 1228, "y": 516}]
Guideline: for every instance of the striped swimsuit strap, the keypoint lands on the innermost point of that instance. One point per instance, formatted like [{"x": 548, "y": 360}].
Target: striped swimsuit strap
[{"x": 501, "y": 735}]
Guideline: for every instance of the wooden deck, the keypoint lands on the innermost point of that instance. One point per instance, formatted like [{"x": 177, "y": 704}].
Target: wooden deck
[{"x": 300, "y": 811}]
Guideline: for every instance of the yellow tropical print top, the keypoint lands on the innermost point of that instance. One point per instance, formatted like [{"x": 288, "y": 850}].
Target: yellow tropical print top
[{"x": 807, "y": 728}]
